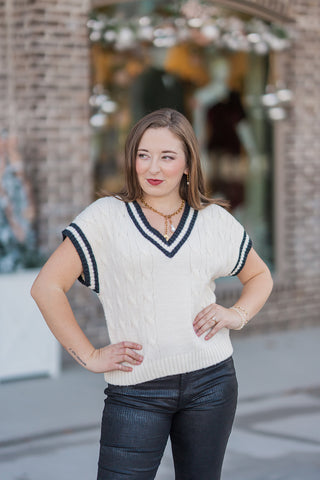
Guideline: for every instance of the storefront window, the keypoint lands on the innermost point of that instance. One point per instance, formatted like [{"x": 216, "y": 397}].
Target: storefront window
[{"x": 208, "y": 63}]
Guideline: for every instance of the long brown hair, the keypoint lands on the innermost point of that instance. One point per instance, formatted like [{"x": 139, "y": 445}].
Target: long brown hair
[{"x": 194, "y": 193}]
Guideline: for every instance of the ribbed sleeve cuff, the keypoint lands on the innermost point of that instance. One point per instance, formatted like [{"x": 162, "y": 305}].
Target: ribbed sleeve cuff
[
  {"x": 245, "y": 248},
  {"x": 90, "y": 276}
]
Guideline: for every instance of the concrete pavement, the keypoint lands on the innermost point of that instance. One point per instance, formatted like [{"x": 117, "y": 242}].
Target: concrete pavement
[{"x": 49, "y": 428}]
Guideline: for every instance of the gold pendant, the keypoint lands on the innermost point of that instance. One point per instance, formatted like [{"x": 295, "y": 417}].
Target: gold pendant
[{"x": 166, "y": 237}]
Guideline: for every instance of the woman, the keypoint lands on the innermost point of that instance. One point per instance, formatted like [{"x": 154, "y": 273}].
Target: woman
[{"x": 152, "y": 254}]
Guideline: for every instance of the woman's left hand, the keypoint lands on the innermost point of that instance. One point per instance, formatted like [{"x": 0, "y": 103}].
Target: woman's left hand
[{"x": 213, "y": 318}]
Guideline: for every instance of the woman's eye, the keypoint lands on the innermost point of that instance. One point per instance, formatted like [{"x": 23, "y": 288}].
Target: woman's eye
[
  {"x": 167, "y": 157},
  {"x": 142, "y": 155}
]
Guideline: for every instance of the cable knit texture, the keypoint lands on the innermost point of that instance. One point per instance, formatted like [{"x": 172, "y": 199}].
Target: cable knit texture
[{"x": 150, "y": 289}]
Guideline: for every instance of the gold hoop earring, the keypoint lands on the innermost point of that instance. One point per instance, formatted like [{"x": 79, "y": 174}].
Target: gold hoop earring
[{"x": 188, "y": 182}]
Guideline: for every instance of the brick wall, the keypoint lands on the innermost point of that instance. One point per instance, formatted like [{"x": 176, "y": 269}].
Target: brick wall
[
  {"x": 46, "y": 83},
  {"x": 44, "y": 89},
  {"x": 3, "y": 64}
]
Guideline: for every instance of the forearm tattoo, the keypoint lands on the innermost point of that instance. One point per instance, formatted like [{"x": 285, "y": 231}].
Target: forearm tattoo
[{"x": 77, "y": 357}]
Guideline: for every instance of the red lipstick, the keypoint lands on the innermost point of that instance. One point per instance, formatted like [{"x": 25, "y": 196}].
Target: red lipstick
[{"x": 153, "y": 181}]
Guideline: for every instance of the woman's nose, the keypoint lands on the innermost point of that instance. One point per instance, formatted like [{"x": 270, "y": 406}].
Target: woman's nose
[{"x": 154, "y": 165}]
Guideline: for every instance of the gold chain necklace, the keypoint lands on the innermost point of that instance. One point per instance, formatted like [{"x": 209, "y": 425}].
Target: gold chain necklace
[{"x": 167, "y": 218}]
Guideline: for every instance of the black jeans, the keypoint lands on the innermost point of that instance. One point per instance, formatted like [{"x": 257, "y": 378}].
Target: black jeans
[{"x": 196, "y": 409}]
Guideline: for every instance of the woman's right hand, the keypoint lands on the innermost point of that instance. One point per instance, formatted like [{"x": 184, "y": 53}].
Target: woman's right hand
[{"x": 111, "y": 357}]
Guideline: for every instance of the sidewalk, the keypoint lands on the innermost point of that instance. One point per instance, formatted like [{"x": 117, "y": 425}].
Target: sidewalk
[{"x": 50, "y": 428}]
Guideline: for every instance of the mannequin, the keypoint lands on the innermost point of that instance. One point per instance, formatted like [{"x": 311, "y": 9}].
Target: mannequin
[
  {"x": 155, "y": 88},
  {"x": 224, "y": 134}
]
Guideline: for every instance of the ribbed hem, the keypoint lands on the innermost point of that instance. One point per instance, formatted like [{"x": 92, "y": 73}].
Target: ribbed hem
[{"x": 183, "y": 363}]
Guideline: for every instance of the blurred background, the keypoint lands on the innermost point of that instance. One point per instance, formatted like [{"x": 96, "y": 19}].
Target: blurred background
[{"x": 74, "y": 77}]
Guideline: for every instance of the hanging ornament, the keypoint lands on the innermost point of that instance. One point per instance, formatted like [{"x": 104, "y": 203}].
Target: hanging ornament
[
  {"x": 125, "y": 39},
  {"x": 285, "y": 95},
  {"x": 210, "y": 31},
  {"x": 277, "y": 113},
  {"x": 98, "y": 120}
]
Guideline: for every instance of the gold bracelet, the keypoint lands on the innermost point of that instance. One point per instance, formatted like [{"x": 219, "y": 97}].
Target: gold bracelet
[
  {"x": 243, "y": 310},
  {"x": 243, "y": 315}
]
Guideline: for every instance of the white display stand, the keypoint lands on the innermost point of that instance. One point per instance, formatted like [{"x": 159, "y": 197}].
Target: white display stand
[{"x": 27, "y": 347}]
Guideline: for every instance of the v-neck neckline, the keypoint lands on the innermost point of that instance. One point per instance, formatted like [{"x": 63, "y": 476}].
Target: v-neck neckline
[
  {"x": 180, "y": 235},
  {"x": 155, "y": 231}
]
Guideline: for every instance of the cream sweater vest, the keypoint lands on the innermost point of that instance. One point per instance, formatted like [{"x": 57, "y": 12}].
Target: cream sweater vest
[{"x": 150, "y": 289}]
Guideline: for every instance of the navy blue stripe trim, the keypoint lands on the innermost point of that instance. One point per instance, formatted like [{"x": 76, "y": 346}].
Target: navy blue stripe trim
[
  {"x": 92, "y": 257},
  {"x": 240, "y": 263},
  {"x": 145, "y": 234},
  {"x": 87, "y": 281},
  {"x": 156, "y": 232}
]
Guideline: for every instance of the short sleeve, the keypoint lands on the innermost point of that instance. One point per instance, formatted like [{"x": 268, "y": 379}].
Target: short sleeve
[
  {"x": 235, "y": 244},
  {"x": 85, "y": 237}
]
